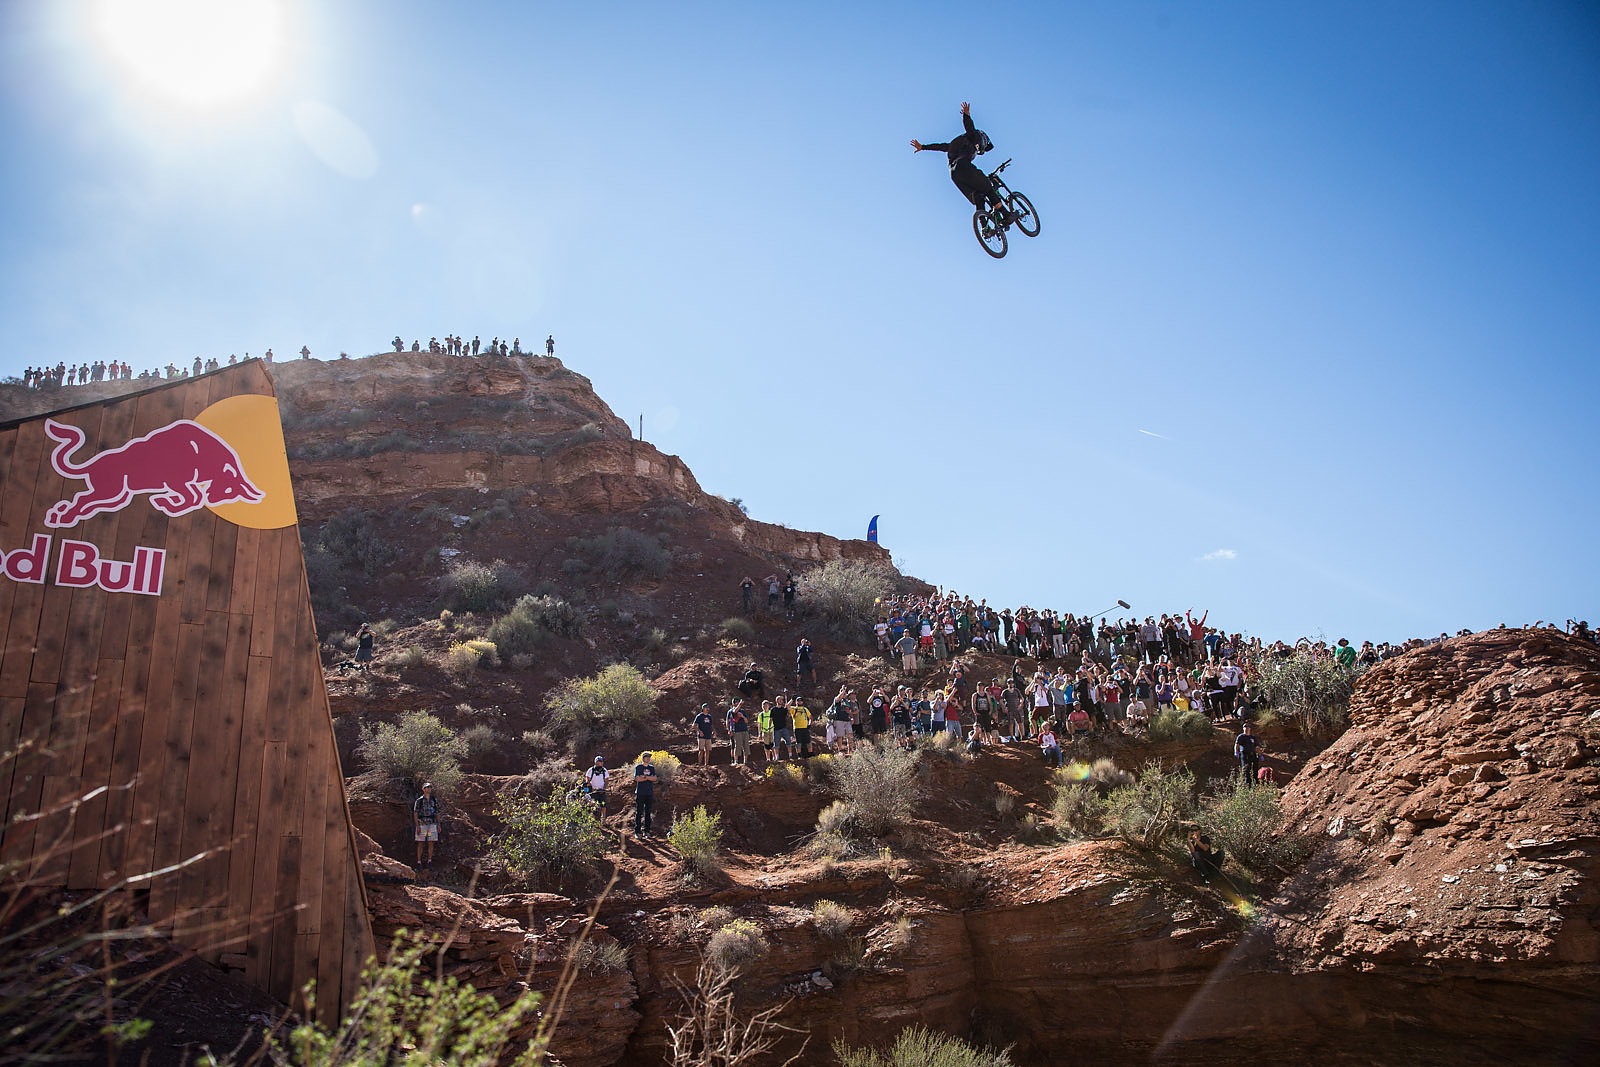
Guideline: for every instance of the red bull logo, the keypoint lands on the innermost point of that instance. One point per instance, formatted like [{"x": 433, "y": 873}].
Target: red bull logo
[
  {"x": 182, "y": 467},
  {"x": 229, "y": 459}
]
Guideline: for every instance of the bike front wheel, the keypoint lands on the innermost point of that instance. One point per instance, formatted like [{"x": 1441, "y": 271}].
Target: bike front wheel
[
  {"x": 990, "y": 236},
  {"x": 1027, "y": 219}
]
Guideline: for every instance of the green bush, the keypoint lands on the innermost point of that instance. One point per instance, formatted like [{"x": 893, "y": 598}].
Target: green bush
[
  {"x": 879, "y": 785},
  {"x": 1150, "y": 810},
  {"x": 482, "y": 742},
  {"x": 1079, "y": 809},
  {"x": 607, "y": 705},
  {"x": 1175, "y": 725},
  {"x": 844, "y": 597},
  {"x": 416, "y": 749},
  {"x": 736, "y": 944},
  {"x": 551, "y": 838},
  {"x": 1247, "y": 822},
  {"x": 352, "y": 541},
  {"x": 621, "y": 554},
  {"x": 831, "y": 919},
  {"x": 1314, "y": 693},
  {"x": 917, "y": 1046},
  {"x": 406, "y": 1003},
  {"x": 531, "y": 620},
  {"x": 464, "y": 657},
  {"x": 737, "y": 629},
  {"x": 468, "y": 585},
  {"x": 599, "y": 957},
  {"x": 697, "y": 836}
]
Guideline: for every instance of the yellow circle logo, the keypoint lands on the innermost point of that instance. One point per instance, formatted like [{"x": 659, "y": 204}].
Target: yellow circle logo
[{"x": 251, "y": 425}]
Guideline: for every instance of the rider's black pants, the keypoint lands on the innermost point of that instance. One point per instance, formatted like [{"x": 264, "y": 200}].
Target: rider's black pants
[{"x": 974, "y": 184}]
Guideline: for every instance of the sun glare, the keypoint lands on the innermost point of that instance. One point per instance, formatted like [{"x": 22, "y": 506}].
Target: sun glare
[{"x": 199, "y": 54}]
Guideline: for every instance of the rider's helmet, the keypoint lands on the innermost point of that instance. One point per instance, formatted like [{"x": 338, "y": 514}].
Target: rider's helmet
[{"x": 982, "y": 142}]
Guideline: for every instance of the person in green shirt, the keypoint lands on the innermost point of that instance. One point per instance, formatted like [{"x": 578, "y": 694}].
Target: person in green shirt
[{"x": 1345, "y": 654}]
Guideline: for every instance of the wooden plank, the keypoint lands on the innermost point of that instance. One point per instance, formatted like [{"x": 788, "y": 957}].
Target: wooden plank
[
  {"x": 92, "y": 829},
  {"x": 219, "y": 583},
  {"x": 80, "y": 652},
  {"x": 213, "y": 747},
  {"x": 14, "y": 503},
  {"x": 286, "y": 896},
  {"x": 249, "y": 821},
  {"x": 265, "y": 923},
  {"x": 241, "y": 598},
  {"x": 27, "y": 782},
  {"x": 165, "y": 899},
  {"x": 139, "y": 854}
]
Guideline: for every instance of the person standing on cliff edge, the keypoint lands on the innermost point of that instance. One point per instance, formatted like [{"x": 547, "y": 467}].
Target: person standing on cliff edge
[{"x": 550, "y": 345}]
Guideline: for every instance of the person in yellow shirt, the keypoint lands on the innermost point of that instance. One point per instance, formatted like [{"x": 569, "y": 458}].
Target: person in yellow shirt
[
  {"x": 1180, "y": 702},
  {"x": 802, "y": 728}
]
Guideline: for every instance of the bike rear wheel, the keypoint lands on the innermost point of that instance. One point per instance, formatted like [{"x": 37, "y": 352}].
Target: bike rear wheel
[
  {"x": 990, "y": 236},
  {"x": 1027, "y": 219}
]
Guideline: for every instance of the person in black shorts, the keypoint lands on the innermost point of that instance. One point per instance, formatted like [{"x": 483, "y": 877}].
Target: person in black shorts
[
  {"x": 973, "y": 183},
  {"x": 644, "y": 795}
]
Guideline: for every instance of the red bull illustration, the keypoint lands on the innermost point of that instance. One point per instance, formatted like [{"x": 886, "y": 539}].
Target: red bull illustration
[{"x": 183, "y": 466}]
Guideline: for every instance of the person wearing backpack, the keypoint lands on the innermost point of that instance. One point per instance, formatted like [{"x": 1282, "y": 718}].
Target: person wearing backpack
[
  {"x": 425, "y": 824},
  {"x": 594, "y": 786}
]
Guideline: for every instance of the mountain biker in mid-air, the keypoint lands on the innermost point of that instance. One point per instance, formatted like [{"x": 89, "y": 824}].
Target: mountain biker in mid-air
[{"x": 973, "y": 183}]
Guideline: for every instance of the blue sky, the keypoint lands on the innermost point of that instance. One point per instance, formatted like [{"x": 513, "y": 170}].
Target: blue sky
[{"x": 1341, "y": 258}]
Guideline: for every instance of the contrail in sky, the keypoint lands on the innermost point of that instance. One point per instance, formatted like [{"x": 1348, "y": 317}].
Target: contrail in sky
[{"x": 1152, "y": 433}]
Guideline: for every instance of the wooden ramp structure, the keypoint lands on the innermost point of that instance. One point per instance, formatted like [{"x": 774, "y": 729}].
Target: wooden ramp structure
[{"x": 158, "y": 657}]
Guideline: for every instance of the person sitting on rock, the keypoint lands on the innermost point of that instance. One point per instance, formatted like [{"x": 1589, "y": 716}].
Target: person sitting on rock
[{"x": 1049, "y": 746}]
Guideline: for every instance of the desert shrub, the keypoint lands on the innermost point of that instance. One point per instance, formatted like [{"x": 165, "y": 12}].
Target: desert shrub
[
  {"x": 405, "y": 656},
  {"x": 555, "y": 772},
  {"x": 606, "y": 705},
  {"x": 532, "y": 619},
  {"x": 1102, "y": 775},
  {"x": 464, "y": 657},
  {"x": 552, "y": 837},
  {"x": 831, "y": 919},
  {"x": 351, "y": 540},
  {"x": 879, "y": 783},
  {"x": 737, "y": 629},
  {"x": 715, "y": 917},
  {"x": 1247, "y": 822},
  {"x": 482, "y": 742},
  {"x": 599, "y": 957},
  {"x": 697, "y": 836},
  {"x": 834, "y": 837},
  {"x": 1175, "y": 725},
  {"x": 917, "y": 1046},
  {"x": 416, "y": 749},
  {"x": 468, "y": 585},
  {"x": 538, "y": 741},
  {"x": 736, "y": 944},
  {"x": 407, "y": 1003},
  {"x": 1150, "y": 810},
  {"x": 843, "y": 596},
  {"x": 1313, "y": 693},
  {"x": 622, "y": 553},
  {"x": 790, "y": 775},
  {"x": 585, "y": 433},
  {"x": 1079, "y": 809}
]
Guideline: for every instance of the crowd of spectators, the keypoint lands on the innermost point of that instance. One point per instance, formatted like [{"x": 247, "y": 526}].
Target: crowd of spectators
[
  {"x": 455, "y": 345},
  {"x": 63, "y": 374},
  {"x": 1071, "y": 677}
]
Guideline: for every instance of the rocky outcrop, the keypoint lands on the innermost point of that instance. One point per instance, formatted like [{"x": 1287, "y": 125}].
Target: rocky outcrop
[{"x": 1454, "y": 899}]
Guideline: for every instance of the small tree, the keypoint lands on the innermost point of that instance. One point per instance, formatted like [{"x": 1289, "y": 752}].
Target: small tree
[
  {"x": 879, "y": 784},
  {"x": 609, "y": 704},
  {"x": 1150, "y": 810},
  {"x": 1247, "y": 822},
  {"x": 917, "y": 1046},
  {"x": 416, "y": 749},
  {"x": 697, "y": 836},
  {"x": 845, "y": 596},
  {"x": 468, "y": 585},
  {"x": 622, "y": 553},
  {"x": 530, "y": 621},
  {"x": 406, "y": 1003},
  {"x": 1313, "y": 692},
  {"x": 551, "y": 838}
]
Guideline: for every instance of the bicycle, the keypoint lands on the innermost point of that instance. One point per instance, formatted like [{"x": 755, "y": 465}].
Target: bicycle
[{"x": 988, "y": 226}]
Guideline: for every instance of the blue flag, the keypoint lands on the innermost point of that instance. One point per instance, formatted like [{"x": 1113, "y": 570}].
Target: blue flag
[{"x": 872, "y": 530}]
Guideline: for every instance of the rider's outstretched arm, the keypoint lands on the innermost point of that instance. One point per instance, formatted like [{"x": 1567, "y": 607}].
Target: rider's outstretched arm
[{"x": 936, "y": 147}]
